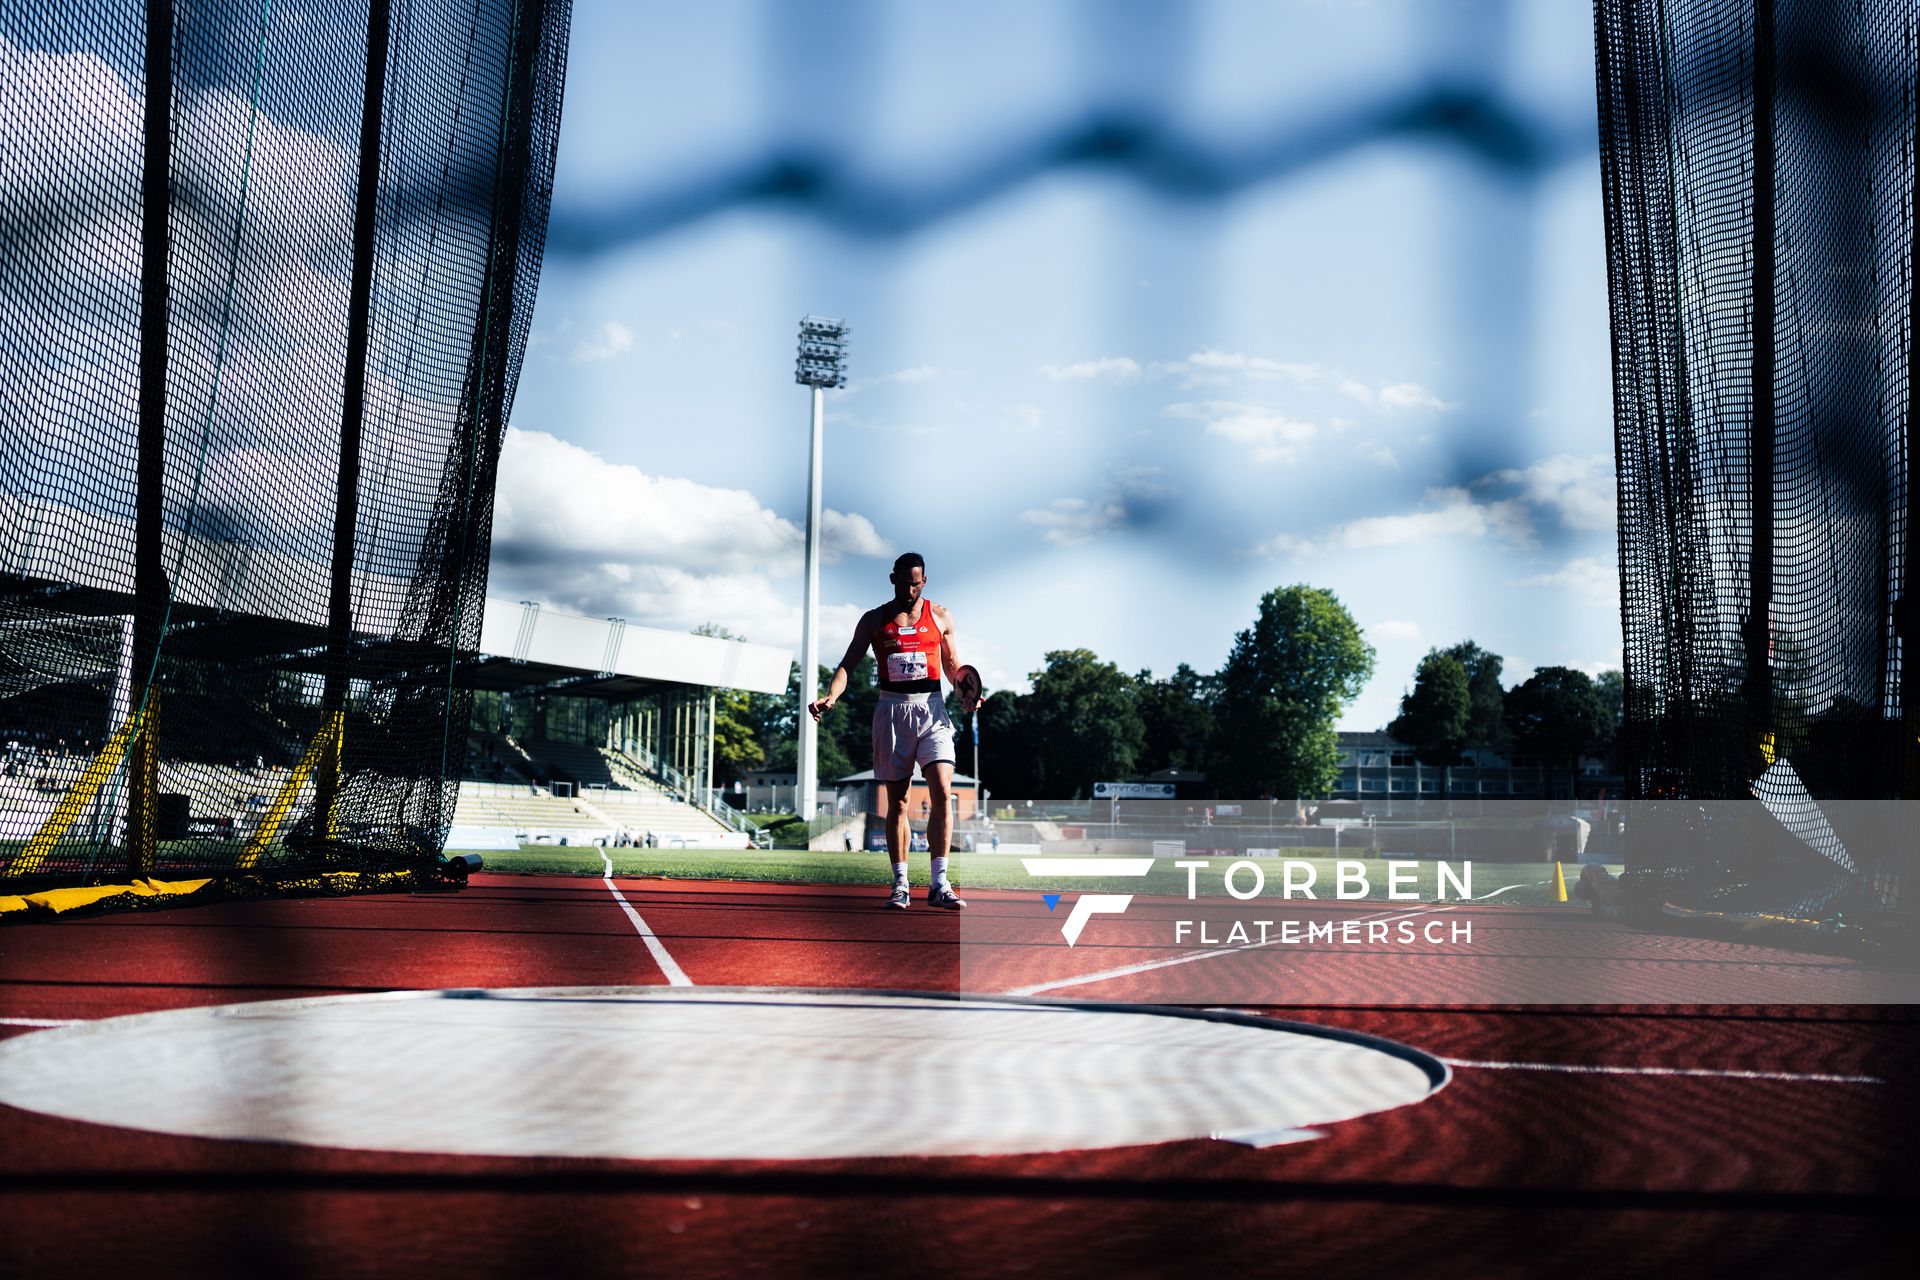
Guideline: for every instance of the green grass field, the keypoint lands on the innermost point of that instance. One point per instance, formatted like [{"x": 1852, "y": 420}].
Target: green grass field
[{"x": 1515, "y": 882}]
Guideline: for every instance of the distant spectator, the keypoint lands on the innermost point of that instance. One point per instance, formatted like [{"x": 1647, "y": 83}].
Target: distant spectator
[{"x": 996, "y": 842}]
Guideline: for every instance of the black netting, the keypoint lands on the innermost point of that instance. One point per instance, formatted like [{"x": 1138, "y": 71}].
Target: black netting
[
  {"x": 1757, "y": 159},
  {"x": 193, "y": 680}
]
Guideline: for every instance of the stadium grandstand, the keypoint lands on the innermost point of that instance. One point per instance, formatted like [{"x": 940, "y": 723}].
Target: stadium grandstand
[
  {"x": 603, "y": 732},
  {"x": 645, "y": 771}
]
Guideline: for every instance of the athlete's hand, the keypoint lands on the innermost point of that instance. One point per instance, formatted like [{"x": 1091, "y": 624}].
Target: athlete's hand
[
  {"x": 967, "y": 689},
  {"x": 820, "y": 708}
]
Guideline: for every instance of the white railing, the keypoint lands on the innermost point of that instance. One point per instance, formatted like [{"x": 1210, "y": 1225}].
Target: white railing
[
  {"x": 640, "y": 761},
  {"x": 510, "y": 789}
]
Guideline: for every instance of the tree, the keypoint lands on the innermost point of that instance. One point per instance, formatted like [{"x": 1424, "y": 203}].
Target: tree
[
  {"x": 1281, "y": 692},
  {"x": 737, "y": 737},
  {"x": 1558, "y": 715},
  {"x": 1177, "y": 716},
  {"x": 736, "y": 744},
  {"x": 1008, "y": 767},
  {"x": 778, "y": 720},
  {"x": 774, "y": 716},
  {"x": 850, "y": 723},
  {"x": 1081, "y": 724},
  {"x": 1486, "y": 719},
  {"x": 1611, "y": 688},
  {"x": 1435, "y": 714}
]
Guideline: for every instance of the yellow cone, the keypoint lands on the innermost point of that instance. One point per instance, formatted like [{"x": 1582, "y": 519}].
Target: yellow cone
[{"x": 1559, "y": 884}]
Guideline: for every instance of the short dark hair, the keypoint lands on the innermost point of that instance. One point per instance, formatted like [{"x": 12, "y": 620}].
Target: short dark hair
[{"x": 908, "y": 563}]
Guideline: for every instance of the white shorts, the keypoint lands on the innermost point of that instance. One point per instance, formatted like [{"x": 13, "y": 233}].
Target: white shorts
[{"x": 910, "y": 729}]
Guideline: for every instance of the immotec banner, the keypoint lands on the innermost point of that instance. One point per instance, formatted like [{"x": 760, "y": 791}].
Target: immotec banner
[{"x": 1133, "y": 791}]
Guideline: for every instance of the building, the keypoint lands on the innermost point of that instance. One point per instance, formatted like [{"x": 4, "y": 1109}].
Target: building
[
  {"x": 766, "y": 791},
  {"x": 862, "y": 792},
  {"x": 1382, "y": 772}
]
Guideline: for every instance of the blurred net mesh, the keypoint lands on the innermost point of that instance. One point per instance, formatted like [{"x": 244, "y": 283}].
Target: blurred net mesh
[
  {"x": 229, "y": 716},
  {"x": 1757, "y": 162}
]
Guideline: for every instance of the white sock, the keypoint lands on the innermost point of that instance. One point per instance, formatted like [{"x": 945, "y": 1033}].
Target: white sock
[
  {"x": 899, "y": 874},
  {"x": 940, "y": 872}
]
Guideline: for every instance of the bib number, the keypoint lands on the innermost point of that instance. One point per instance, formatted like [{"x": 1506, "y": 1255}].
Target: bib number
[{"x": 908, "y": 664}]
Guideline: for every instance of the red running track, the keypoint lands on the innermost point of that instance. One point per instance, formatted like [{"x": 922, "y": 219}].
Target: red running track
[{"x": 1510, "y": 1170}]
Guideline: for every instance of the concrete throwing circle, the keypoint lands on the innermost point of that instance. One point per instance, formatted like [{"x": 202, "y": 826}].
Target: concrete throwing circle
[{"x": 662, "y": 1073}]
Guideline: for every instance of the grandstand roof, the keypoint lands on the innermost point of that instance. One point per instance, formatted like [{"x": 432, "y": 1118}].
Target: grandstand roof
[
  {"x": 235, "y": 601},
  {"x": 524, "y": 644}
]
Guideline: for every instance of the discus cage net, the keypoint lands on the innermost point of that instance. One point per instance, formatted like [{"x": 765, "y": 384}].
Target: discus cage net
[
  {"x": 266, "y": 274},
  {"x": 1758, "y": 167}
]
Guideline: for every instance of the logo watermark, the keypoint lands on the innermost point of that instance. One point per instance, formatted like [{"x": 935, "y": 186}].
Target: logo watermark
[{"x": 1245, "y": 879}]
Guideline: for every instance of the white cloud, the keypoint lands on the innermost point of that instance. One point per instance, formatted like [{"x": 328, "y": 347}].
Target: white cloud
[
  {"x": 1448, "y": 513},
  {"x": 1597, "y": 581},
  {"x": 1411, "y": 395},
  {"x": 1377, "y": 452},
  {"x": 1451, "y": 513},
  {"x": 1259, "y": 367},
  {"x": 1118, "y": 369},
  {"x": 610, "y": 340},
  {"x": 845, "y": 534},
  {"x": 1580, "y": 489},
  {"x": 1025, "y": 417},
  {"x": 899, "y": 377},
  {"x": 1396, "y": 395},
  {"x": 1141, "y": 482},
  {"x": 1395, "y": 630},
  {"x": 1213, "y": 367},
  {"x": 1066, "y": 522},
  {"x": 606, "y": 539},
  {"x": 1274, "y": 437},
  {"x": 1616, "y": 663}
]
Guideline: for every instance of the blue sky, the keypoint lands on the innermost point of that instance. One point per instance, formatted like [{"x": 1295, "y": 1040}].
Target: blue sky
[{"x": 1156, "y": 307}]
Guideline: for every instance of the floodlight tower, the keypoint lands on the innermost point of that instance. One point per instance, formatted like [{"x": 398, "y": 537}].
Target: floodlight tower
[{"x": 822, "y": 364}]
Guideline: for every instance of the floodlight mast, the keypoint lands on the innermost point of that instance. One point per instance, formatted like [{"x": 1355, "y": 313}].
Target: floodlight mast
[{"x": 821, "y": 364}]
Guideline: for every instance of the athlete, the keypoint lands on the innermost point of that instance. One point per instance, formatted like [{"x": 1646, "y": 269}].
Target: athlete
[{"x": 912, "y": 641}]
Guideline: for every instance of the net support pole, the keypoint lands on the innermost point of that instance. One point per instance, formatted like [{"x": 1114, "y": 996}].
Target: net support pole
[
  {"x": 149, "y": 570},
  {"x": 806, "y": 757},
  {"x": 1906, "y": 609},
  {"x": 346, "y": 503},
  {"x": 1756, "y": 628},
  {"x": 112, "y": 805},
  {"x": 486, "y": 398}
]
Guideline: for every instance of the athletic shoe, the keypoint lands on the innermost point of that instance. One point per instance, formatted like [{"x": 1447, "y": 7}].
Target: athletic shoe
[
  {"x": 943, "y": 896},
  {"x": 900, "y": 897}
]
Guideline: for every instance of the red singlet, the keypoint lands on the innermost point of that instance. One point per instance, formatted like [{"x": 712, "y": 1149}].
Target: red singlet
[{"x": 909, "y": 654}]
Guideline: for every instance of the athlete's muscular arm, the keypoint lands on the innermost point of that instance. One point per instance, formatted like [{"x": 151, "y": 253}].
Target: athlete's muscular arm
[
  {"x": 862, "y": 639},
  {"x": 949, "y": 658}
]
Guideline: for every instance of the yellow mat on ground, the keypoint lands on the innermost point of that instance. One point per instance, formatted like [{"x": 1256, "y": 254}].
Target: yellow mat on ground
[{"x": 59, "y": 900}]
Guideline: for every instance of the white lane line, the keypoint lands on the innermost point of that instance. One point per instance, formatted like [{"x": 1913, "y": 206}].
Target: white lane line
[
  {"x": 1506, "y": 887},
  {"x": 1066, "y": 867},
  {"x": 1797, "y": 1077},
  {"x": 40, "y": 1022},
  {"x": 1147, "y": 966},
  {"x": 675, "y": 975}
]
